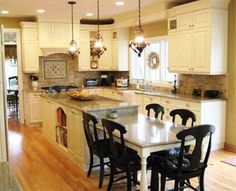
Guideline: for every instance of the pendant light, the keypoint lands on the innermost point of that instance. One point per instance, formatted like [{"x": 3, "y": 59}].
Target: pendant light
[
  {"x": 73, "y": 49},
  {"x": 138, "y": 44},
  {"x": 98, "y": 49}
]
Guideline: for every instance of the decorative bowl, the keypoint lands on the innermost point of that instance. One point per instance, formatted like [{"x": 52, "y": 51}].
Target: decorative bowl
[
  {"x": 212, "y": 93},
  {"x": 80, "y": 95}
]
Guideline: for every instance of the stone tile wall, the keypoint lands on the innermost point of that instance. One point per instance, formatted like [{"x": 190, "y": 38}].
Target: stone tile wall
[{"x": 205, "y": 82}]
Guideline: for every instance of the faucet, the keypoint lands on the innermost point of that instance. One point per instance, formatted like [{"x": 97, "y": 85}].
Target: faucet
[{"x": 174, "y": 90}]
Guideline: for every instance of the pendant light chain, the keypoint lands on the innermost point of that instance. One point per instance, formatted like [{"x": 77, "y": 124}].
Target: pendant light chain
[
  {"x": 98, "y": 16},
  {"x": 139, "y": 13},
  {"x": 72, "y": 21}
]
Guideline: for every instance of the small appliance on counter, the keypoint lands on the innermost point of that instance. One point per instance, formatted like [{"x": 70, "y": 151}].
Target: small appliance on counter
[
  {"x": 91, "y": 82},
  {"x": 122, "y": 83},
  {"x": 197, "y": 92},
  {"x": 212, "y": 93},
  {"x": 104, "y": 80}
]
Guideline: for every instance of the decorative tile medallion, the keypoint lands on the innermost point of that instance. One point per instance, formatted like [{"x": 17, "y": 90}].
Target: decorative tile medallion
[{"x": 55, "y": 69}]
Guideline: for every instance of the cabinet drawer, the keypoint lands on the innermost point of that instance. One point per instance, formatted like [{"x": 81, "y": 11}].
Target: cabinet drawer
[
  {"x": 151, "y": 99},
  {"x": 167, "y": 101},
  {"x": 188, "y": 105}
]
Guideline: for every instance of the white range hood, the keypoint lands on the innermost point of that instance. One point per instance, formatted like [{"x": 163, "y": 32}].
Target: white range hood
[{"x": 49, "y": 51}]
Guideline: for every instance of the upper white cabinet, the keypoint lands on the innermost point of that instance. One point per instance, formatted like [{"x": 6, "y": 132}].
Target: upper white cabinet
[
  {"x": 30, "y": 51},
  {"x": 120, "y": 49},
  {"x": 105, "y": 61},
  {"x": 84, "y": 56},
  {"x": 197, "y": 40},
  {"x": 56, "y": 35},
  {"x": 115, "y": 58}
]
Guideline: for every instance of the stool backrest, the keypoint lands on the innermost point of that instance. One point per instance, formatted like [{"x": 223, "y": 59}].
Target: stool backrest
[
  {"x": 158, "y": 109},
  {"x": 198, "y": 133},
  {"x": 185, "y": 115}
]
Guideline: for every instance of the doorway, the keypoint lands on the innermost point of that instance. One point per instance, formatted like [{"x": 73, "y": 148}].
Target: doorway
[{"x": 13, "y": 74}]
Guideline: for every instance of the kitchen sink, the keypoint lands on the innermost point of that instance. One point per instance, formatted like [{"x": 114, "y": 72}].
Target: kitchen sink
[{"x": 58, "y": 89}]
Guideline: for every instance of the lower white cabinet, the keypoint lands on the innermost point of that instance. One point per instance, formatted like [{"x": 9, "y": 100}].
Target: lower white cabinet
[
  {"x": 76, "y": 138},
  {"x": 49, "y": 119},
  {"x": 32, "y": 108}
]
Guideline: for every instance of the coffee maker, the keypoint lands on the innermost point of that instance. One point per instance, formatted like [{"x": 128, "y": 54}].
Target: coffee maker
[{"x": 104, "y": 80}]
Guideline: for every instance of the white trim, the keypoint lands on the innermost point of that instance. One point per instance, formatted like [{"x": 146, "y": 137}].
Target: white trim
[{"x": 19, "y": 71}]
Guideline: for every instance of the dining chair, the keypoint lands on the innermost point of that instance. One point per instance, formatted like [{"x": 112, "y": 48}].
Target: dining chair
[
  {"x": 158, "y": 109},
  {"x": 184, "y": 114},
  {"x": 183, "y": 167},
  {"x": 97, "y": 146},
  {"x": 122, "y": 158}
]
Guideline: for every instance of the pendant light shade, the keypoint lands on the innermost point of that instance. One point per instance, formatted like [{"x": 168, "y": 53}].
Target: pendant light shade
[
  {"x": 73, "y": 48},
  {"x": 98, "y": 48},
  {"x": 138, "y": 44}
]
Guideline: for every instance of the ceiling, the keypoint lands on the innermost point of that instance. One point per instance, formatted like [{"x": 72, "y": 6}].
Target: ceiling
[{"x": 59, "y": 8}]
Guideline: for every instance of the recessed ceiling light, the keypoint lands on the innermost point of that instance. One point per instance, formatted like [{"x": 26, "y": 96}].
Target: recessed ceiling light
[
  {"x": 119, "y": 3},
  {"x": 40, "y": 10},
  {"x": 4, "y": 12},
  {"x": 89, "y": 14}
]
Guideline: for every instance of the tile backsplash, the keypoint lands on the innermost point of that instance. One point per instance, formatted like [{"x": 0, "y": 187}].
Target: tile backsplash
[{"x": 188, "y": 82}]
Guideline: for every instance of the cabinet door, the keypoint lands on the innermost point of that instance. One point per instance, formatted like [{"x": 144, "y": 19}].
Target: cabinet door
[
  {"x": 35, "y": 112},
  {"x": 105, "y": 61},
  {"x": 172, "y": 55},
  {"x": 115, "y": 61},
  {"x": 45, "y": 117},
  {"x": 84, "y": 45},
  {"x": 184, "y": 48},
  {"x": 201, "y": 51},
  {"x": 30, "y": 56},
  {"x": 44, "y": 35},
  {"x": 60, "y": 35},
  {"x": 201, "y": 19},
  {"x": 76, "y": 137},
  {"x": 185, "y": 21}
]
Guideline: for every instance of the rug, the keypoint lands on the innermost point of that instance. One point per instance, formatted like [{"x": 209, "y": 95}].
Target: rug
[{"x": 230, "y": 161}]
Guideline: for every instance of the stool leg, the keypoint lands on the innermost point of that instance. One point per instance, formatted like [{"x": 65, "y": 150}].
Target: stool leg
[
  {"x": 101, "y": 172},
  {"x": 90, "y": 164}
]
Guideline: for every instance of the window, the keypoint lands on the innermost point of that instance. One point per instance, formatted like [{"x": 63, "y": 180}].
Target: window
[{"x": 141, "y": 67}]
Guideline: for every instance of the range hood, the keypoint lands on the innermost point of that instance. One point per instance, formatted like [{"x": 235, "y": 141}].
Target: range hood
[{"x": 48, "y": 51}]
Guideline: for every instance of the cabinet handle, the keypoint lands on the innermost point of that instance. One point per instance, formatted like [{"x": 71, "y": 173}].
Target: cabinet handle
[
  {"x": 190, "y": 25},
  {"x": 167, "y": 102},
  {"x": 150, "y": 99},
  {"x": 187, "y": 105}
]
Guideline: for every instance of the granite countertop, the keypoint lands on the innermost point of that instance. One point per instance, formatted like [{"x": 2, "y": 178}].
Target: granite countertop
[
  {"x": 8, "y": 181},
  {"x": 145, "y": 132},
  {"x": 99, "y": 103}
]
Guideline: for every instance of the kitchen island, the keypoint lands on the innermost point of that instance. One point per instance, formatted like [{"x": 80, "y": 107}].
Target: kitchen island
[{"x": 62, "y": 123}]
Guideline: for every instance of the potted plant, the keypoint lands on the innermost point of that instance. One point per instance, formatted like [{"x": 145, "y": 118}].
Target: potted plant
[{"x": 34, "y": 82}]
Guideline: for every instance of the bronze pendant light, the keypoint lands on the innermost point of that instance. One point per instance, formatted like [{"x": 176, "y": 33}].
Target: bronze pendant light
[
  {"x": 98, "y": 49},
  {"x": 138, "y": 44},
  {"x": 73, "y": 49}
]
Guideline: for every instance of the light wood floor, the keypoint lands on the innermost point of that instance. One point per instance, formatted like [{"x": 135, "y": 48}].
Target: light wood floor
[{"x": 40, "y": 167}]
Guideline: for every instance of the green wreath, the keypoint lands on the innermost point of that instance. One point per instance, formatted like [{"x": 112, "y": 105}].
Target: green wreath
[{"x": 153, "y": 60}]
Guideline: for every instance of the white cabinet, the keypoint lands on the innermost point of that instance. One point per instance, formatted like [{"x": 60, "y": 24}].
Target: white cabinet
[
  {"x": 49, "y": 119},
  {"x": 105, "y": 61},
  {"x": 198, "y": 41},
  {"x": 56, "y": 35},
  {"x": 30, "y": 51},
  {"x": 120, "y": 50},
  {"x": 76, "y": 137},
  {"x": 32, "y": 109},
  {"x": 84, "y": 57}
]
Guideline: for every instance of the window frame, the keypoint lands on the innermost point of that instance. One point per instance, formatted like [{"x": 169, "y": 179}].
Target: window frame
[{"x": 162, "y": 83}]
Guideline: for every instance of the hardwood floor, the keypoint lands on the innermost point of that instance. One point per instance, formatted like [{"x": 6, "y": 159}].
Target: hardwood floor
[{"x": 40, "y": 167}]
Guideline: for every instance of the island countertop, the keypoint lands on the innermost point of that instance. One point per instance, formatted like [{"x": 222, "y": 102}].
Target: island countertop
[{"x": 98, "y": 104}]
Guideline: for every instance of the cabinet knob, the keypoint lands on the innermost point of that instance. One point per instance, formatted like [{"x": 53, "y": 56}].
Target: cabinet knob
[
  {"x": 187, "y": 105},
  {"x": 190, "y": 25}
]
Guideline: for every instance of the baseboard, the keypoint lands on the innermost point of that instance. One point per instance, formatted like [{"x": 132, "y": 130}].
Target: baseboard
[{"x": 229, "y": 147}]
